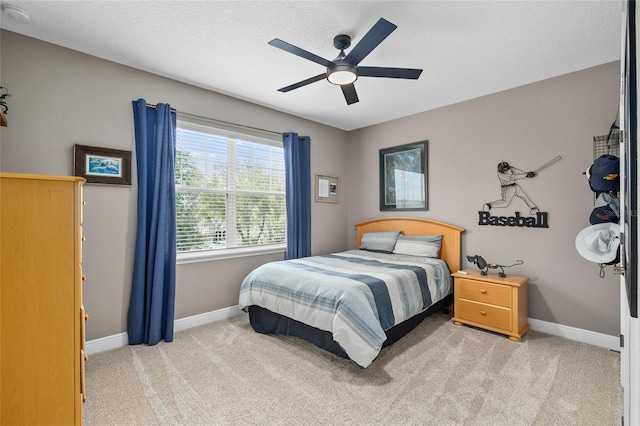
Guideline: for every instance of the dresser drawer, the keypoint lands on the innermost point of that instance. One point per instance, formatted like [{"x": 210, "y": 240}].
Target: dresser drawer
[
  {"x": 484, "y": 292},
  {"x": 481, "y": 313}
]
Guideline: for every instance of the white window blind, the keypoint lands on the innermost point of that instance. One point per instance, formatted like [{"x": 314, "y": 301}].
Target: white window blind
[{"x": 230, "y": 190}]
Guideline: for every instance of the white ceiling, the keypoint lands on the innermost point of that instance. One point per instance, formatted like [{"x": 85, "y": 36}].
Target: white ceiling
[{"x": 466, "y": 48}]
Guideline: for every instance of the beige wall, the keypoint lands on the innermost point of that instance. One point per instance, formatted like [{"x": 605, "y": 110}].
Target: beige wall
[
  {"x": 62, "y": 97},
  {"x": 526, "y": 127}
]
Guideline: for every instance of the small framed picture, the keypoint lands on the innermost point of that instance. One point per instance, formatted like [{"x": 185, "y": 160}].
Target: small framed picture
[
  {"x": 327, "y": 189},
  {"x": 102, "y": 165}
]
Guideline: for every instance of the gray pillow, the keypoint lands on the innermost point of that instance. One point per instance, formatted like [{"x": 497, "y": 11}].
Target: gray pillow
[
  {"x": 419, "y": 245},
  {"x": 381, "y": 242}
]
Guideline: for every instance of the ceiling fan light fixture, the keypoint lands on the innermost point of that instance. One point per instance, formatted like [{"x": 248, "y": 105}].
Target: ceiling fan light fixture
[{"x": 342, "y": 74}]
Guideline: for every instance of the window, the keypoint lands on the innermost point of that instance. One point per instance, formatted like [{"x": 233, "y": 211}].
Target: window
[{"x": 230, "y": 191}]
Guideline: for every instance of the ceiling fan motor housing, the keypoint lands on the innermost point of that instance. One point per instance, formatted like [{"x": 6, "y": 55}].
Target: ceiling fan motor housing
[{"x": 341, "y": 72}]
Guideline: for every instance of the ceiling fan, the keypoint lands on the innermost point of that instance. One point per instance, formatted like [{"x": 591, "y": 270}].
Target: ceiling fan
[{"x": 344, "y": 69}]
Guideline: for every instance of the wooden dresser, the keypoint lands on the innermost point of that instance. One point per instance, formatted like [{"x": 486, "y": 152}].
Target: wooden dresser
[
  {"x": 41, "y": 318},
  {"x": 491, "y": 302}
]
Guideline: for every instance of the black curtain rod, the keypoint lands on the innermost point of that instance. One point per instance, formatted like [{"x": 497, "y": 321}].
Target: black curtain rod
[
  {"x": 219, "y": 121},
  {"x": 156, "y": 107}
]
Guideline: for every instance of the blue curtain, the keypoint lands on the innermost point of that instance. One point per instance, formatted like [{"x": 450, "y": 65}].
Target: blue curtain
[
  {"x": 153, "y": 286},
  {"x": 297, "y": 162}
]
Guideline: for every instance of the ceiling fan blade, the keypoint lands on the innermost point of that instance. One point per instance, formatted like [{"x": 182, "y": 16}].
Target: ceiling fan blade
[
  {"x": 409, "y": 73},
  {"x": 276, "y": 42},
  {"x": 370, "y": 41},
  {"x": 350, "y": 95},
  {"x": 304, "y": 82}
]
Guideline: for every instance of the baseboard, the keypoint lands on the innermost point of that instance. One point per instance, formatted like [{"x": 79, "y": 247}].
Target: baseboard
[
  {"x": 206, "y": 318},
  {"x": 571, "y": 333},
  {"x": 106, "y": 343},
  {"x": 577, "y": 334},
  {"x": 119, "y": 340}
]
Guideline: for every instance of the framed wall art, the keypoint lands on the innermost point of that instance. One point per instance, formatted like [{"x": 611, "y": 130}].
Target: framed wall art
[
  {"x": 102, "y": 165},
  {"x": 403, "y": 177},
  {"x": 327, "y": 189}
]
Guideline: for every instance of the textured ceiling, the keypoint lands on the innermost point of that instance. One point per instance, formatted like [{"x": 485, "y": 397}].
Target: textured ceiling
[{"x": 466, "y": 48}]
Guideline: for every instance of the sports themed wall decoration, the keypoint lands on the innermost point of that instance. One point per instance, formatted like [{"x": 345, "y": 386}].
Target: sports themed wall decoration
[{"x": 509, "y": 178}]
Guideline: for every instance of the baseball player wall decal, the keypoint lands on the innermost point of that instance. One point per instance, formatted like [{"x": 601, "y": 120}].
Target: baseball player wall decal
[{"x": 510, "y": 188}]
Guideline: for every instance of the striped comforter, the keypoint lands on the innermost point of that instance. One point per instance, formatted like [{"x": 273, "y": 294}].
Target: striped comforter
[{"x": 356, "y": 295}]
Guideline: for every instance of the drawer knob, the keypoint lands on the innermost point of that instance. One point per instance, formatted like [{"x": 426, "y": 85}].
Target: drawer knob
[
  {"x": 85, "y": 357},
  {"x": 483, "y": 291},
  {"x": 84, "y": 277},
  {"x": 86, "y": 317},
  {"x": 83, "y": 238},
  {"x": 483, "y": 313}
]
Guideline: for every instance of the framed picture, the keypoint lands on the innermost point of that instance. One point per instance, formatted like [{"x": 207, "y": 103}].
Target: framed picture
[
  {"x": 102, "y": 165},
  {"x": 403, "y": 177},
  {"x": 327, "y": 189}
]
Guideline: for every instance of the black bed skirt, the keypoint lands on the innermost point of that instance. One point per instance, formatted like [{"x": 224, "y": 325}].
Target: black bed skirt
[{"x": 267, "y": 322}]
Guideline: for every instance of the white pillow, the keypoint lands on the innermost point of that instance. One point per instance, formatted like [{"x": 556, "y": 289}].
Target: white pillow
[{"x": 419, "y": 245}]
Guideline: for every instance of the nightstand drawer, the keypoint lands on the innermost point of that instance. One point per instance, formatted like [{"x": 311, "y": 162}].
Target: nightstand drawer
[
  {"x": 481, "y": 313},
  {"x": 484, "y": 292}
]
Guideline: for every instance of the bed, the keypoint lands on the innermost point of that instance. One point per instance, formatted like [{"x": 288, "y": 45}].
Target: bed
[{"x": 356, "y": 302}]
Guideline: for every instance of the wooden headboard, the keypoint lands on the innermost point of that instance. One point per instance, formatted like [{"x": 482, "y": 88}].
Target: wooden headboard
[{"x": 451, "y": 247}]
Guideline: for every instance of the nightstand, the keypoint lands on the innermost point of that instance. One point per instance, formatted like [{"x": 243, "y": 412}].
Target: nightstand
[{"x": 491, "y": 302}]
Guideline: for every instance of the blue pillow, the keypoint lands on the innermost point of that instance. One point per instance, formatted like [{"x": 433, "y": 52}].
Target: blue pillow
[
  {"x": 381, "y": 242},
  {"x": 419, "y": 245}
]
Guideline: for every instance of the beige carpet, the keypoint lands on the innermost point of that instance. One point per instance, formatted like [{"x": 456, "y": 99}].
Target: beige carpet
[{"x": 440, "y": 374}]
